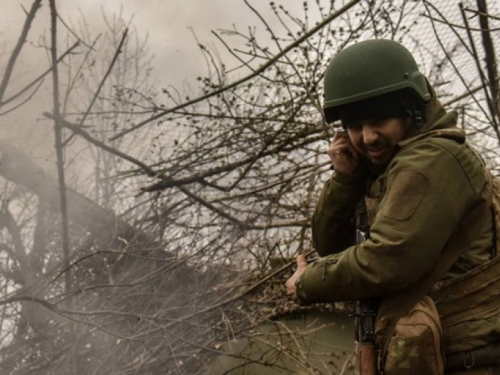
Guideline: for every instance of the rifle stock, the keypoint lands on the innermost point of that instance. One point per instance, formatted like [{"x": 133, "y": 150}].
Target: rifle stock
[{"x": 367, "y": 359}]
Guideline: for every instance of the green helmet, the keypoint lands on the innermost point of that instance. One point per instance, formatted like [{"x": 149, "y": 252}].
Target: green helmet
[{"x": 369, "y": 69}]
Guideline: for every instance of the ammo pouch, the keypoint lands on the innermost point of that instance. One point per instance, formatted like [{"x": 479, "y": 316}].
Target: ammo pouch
[{"x": 416, "y": 344}]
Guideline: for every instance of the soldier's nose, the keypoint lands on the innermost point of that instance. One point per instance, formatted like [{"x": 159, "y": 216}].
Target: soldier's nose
[{"x": 370, "y": 135}]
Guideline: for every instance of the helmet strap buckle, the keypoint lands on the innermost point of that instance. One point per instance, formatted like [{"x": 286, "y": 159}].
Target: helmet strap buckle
[{"x": 419, "y": 119}]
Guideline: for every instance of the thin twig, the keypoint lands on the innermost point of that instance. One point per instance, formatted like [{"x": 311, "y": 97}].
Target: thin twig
[
  {"x": 490, "y": 57},
  {"x": 76, "y": 129},
  {"x": 465, "y": 95},
  {"x": 484, "y": 14},
  {"x": 168, "y": 182},
  {"x": 80, "y": 40},
  {"x": 454, "y": 25},
  {"x": 348, "y": 362},
  {"x": 257, "y": 72},
  {"x": 23, "y": 102},
  {"x": 481, "y": 75},
  {"x": 115, "y": 57},
  {"x": 69, "y": 90},
  {"x": 40, "y": 78},
  {"x": 448, "y": 56}
]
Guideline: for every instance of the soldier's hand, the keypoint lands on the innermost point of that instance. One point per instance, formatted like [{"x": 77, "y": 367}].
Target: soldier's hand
[
  {"x": 290, "y": 284},
  {"x": 342, "y": 154}
]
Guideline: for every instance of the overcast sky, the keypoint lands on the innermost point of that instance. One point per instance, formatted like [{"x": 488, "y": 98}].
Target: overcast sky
[{"x": 166, "y": 22}]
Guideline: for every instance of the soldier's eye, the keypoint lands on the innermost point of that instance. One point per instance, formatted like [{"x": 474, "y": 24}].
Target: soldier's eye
[{"x": 354, "y": 126}]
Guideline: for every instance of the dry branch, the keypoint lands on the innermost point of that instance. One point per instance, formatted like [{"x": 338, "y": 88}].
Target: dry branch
[
  {"x": 17, "y": 50},
  {"x": 59, "y": 144},
  {"x": 490, "y": 57},
  {"x": 256, "y": 73}
]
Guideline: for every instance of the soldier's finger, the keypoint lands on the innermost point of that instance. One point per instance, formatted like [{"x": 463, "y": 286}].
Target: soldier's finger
[
  {"x": 338, "y": 148},
  {"x": 352, "y": 150},
  {"x": 338, "y": 135},
  {"x": 338, "y": 144}
]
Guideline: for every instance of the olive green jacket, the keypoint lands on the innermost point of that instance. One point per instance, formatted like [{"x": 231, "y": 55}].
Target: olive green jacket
[{"x": 434, "y": 179}]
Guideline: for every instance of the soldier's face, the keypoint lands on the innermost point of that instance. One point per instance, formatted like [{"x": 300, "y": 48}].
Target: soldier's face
[{"x": 376, "y": 140}]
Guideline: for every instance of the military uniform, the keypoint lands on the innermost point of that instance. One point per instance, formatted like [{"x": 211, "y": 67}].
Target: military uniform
[{"x": 413, "y": 207}]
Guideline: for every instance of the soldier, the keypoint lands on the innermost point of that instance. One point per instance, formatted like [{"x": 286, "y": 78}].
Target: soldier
[{"x": 404, "y": 173}]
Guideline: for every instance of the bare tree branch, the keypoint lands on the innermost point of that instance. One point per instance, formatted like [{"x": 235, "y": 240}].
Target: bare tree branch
[
  {"x": 490, "y": 57},
  {"x": 17, "y": 50},
  {"x": 76, "y": 129},
  {"x": 39, "y": 79},
  {"x": 257, "y": 72},
  {"x": 493, "y": 112},
  {"x": 96, "y": 94},
  {"x": 58, "y": 143}
]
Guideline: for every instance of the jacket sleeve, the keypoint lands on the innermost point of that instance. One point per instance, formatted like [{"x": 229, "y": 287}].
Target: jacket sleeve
[
  {"x": 428, "y": 192},
  {"x": 333, "y": 224}
]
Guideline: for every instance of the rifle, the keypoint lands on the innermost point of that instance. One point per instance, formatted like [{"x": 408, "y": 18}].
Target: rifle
[{"x": 366, "y": 312}]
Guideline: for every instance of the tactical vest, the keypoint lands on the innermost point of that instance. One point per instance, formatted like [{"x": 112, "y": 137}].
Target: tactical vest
[{"x": 472, "y": 296}]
